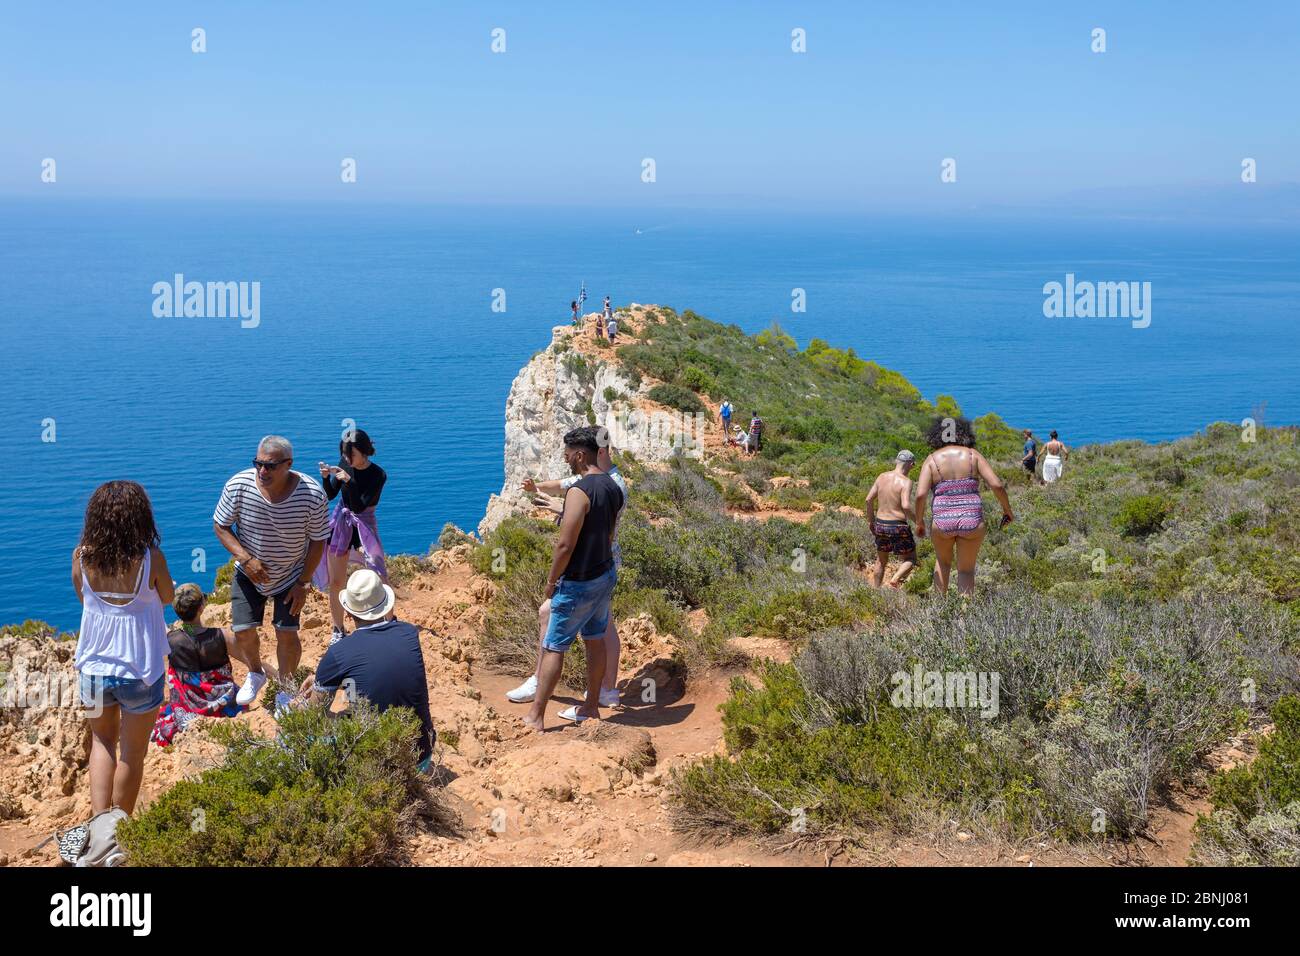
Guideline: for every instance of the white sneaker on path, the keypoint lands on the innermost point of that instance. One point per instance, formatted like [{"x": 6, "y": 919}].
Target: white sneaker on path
[
  {"x": 249, "y": 690},
  {"x": 524, "y": 692}
]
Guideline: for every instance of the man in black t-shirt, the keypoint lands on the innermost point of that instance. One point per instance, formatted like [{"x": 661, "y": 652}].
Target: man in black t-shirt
[
  {"x": 581, "y": 579},
  {"x": 380, "y": 660}
]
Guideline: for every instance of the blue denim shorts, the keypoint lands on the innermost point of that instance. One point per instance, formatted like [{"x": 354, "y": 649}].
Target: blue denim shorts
[
  {"x": 132, "y": 695},
  {"x": 579, "y": 607}
]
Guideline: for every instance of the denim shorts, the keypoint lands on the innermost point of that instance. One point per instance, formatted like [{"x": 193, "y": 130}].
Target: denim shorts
[
  {"x": 131, "y": 694},
  {"x": 579, "y": 607}
]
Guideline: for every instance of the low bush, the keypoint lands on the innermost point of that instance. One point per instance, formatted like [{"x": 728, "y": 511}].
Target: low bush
[
  {"x": 329, "y": 791},
  {"x": 1142, "y": 516},
  {"x": 1096, "y": 707},
  {"x": 678, "y": 397},
  {"x": 1256, "y": 815}
]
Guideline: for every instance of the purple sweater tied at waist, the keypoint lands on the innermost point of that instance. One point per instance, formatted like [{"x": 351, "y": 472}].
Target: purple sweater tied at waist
[{"x": 342, "y": 523}]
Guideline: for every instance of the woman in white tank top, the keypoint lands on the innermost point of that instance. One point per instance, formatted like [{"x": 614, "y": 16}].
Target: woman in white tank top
[{"x": 122, "y": 579}]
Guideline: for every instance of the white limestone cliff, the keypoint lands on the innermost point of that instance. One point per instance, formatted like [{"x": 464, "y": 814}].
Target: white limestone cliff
[{"x": 554, "y": 393}]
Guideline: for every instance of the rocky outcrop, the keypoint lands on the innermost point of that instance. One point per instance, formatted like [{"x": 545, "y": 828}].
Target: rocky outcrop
[{"x": 572, "y": 383}]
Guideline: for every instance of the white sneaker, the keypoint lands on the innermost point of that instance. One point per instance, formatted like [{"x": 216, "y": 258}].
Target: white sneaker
[
  {"x": 524, "y": 692},
  {"x": 249, "y": 690},
  {"x": 611, "y": 697}
]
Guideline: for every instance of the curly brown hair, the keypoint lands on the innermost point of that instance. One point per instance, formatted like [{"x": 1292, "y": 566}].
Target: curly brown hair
[{"x": 119, "y": 527}]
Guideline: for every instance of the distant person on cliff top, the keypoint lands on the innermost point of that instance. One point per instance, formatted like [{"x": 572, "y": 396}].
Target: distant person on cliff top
[
  {"x": 352, "y": 526},
  {"x": 1030, "y": 459},
  {"x": 951, "y": 476},
  {"x": 755, "y": 434},
  {"x": 724, "y": 413},
  {"x": 546, "y": 492},
  {"x": 380, "y": 661},
  {"x": 600, "y": 325},
  {"x": 275, "y": 522},
  {"x": 611, "y": 328},
  {"x": 890, "y": 513},
  {"x": 608, "y": 310},
  {"x": 574, "y": 306},
  {"x": 122, "y": 581},
  {"x": 1054, "y": 455},
  {"x": 581, "y": 580},
  {"x": 200, "y": 682}
]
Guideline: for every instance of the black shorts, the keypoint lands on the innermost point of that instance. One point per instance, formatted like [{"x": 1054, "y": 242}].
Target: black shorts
[
  {"x": 1029, "y": 464},
  {"x": 893, "y": 537},
  {"x": 248, "y": 606}
]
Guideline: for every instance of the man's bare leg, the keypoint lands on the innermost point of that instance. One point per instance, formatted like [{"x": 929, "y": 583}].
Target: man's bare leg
[
  {"x": 288, "y": 651},
  {"x": 613, "y": 650},
  {"x": 877, "y": 572},
  {"x": 251, "y": 646},
  {"x": 903, "y": 570},
  {"x": 548, "y": 675},
  {"x": 543, "y": 621},
  {"x": 595, "y": 675}
]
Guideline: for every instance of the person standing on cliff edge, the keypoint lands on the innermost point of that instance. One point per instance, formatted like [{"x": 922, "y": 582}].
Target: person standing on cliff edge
[
  {"x": 581, "y": 580},
  {"x": 275, "y": 521}
]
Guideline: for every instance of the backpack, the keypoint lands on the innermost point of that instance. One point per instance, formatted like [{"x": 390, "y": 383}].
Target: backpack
[{"x": 94, "y": 843}]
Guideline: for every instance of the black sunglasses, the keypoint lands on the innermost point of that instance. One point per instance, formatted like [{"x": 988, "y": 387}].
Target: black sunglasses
[{"x": 269, "y": 465}]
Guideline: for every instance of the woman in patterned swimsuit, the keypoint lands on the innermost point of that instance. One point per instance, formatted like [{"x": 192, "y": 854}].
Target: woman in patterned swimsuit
[{"x": 951, "y": 478}]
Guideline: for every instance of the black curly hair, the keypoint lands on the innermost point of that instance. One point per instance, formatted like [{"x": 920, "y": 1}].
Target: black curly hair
[
  {"x": 119, "y": 527},
  {"x": 946, "y": 430}
]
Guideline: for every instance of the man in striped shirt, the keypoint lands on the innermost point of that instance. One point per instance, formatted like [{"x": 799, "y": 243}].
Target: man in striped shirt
[{"x": 274, "y": 520}]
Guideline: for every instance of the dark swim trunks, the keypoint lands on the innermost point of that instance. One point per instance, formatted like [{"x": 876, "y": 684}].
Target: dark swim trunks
[
  {"x": 1030, "y": 464},
  {"x": 893, "y": 537}
]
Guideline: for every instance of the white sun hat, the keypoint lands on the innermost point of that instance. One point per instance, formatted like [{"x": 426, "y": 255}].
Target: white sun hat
[{"x": 367, "y": 597}]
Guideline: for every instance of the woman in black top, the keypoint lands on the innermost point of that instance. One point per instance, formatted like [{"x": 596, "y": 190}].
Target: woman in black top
[{"x": 360, "y": 482}]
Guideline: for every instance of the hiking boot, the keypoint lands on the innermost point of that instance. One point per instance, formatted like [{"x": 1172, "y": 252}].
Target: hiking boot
[{"x": 524, "y": 692}]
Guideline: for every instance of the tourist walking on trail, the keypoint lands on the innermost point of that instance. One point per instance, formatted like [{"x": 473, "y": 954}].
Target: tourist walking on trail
[
  {"x": 1030, "y": 458},
  {"x": 122, "y": 581},
  {"x": 581, "y": 580},
  {"x": 380, "y": 661},
  {"x": 950, "y": 484},
  {"x": 547, "y": 492},
  {"x": 274, "y": 521},
  {"x": 611, "y": 328},
  {"x": 755, "y": 434},
  {"x": 890, "y": 515},
  {"x": 724, "y": 414},
  {"x": 1054, "y": 455},
  {"x": 352, "y": 525}
]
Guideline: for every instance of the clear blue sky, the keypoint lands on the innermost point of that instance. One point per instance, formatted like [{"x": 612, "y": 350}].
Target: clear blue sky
[{"x": 585, "y": 90}]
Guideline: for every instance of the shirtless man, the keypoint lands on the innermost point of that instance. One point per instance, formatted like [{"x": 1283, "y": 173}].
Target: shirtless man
[{"x": 890, "y": 513}]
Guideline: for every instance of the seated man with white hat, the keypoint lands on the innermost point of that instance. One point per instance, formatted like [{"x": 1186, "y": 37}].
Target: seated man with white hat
[{"x": 380, "y": 660}]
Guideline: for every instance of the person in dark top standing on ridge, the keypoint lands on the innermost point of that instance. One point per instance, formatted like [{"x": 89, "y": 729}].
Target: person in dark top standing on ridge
[
  {"x": 1030, "y": 459},
  {"x": 581, "y": 580},
  {"x": 352, "y": 525},
  {"x": 755, "y": 434},
  {"x": 381, "y": 660}
]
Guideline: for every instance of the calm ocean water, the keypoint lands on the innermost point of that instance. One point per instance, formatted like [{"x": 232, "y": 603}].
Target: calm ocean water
[{"x": 383, "y": 315}]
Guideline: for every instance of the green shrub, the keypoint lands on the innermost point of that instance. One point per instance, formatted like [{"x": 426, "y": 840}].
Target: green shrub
[
  {"x": 1142, "y": 516},
  {"x": 1256, "y": 815},
  {"x": 675, "y": 396},
  {"x": 329, "y": 791},
  {"x": 698, "y": 380}
]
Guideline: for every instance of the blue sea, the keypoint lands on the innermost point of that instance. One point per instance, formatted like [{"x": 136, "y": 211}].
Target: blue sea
[{"x": 383, "y": 315}]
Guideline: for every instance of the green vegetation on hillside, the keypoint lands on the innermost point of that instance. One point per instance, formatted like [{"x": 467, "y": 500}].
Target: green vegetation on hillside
[{"x": 328, "y": 791}]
